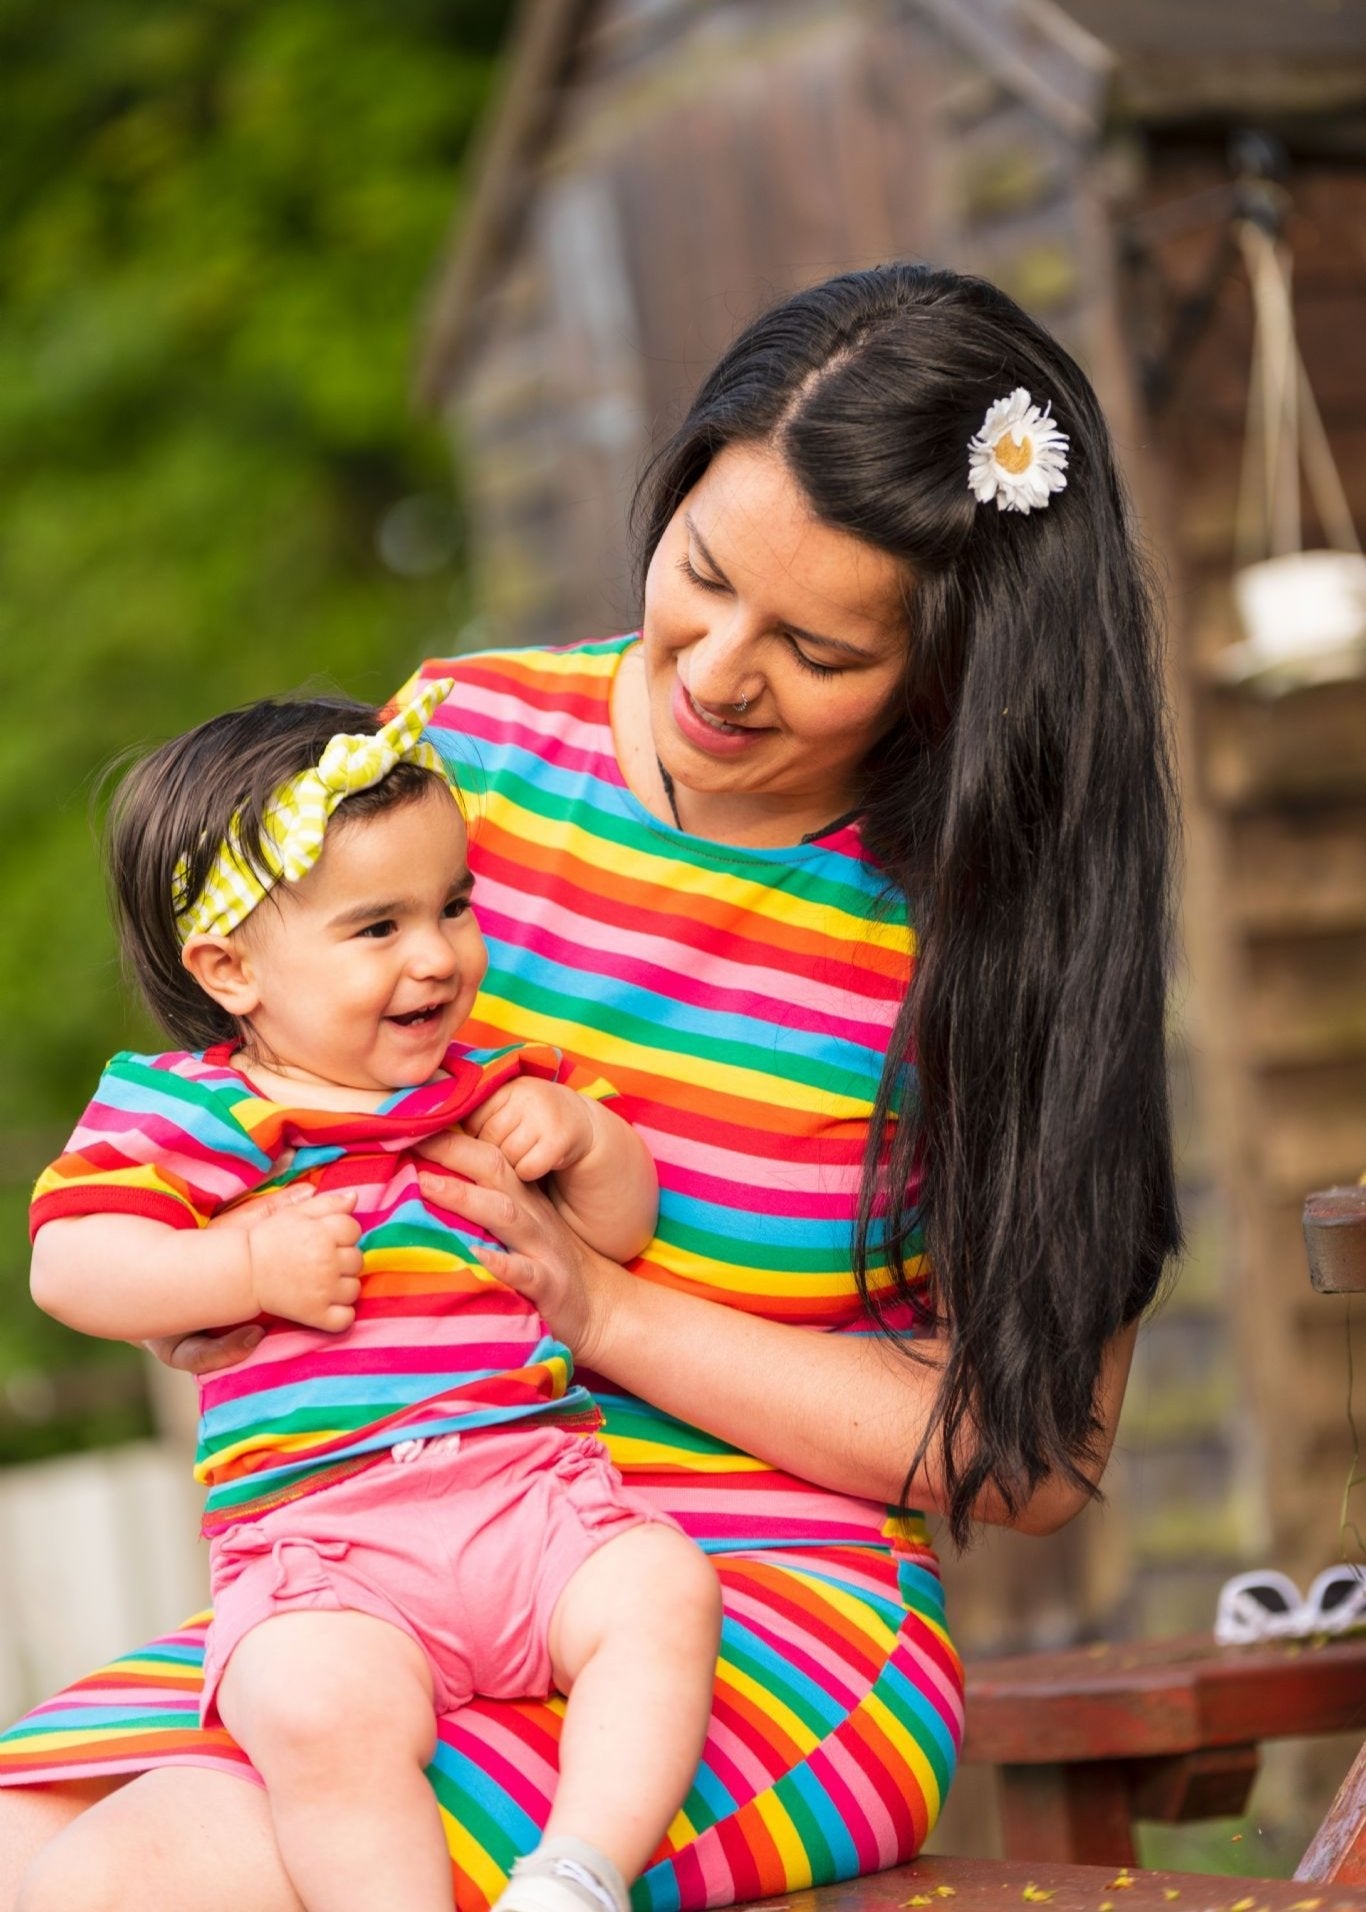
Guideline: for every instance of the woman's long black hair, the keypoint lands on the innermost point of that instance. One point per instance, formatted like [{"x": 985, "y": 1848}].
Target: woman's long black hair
[{"x": 1023, "y": 802}]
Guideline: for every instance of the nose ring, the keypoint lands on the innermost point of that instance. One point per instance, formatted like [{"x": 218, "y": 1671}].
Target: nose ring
[{"x": 741, "y": 707}]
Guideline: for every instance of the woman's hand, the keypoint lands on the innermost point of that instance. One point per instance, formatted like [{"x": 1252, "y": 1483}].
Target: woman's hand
[
  {"x": 570, "y": 1286},
  {"x": 206, "y": 1353}
]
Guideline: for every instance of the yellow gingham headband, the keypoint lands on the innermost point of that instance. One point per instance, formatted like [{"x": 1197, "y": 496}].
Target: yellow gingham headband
[{"x": 296, "y": 818}]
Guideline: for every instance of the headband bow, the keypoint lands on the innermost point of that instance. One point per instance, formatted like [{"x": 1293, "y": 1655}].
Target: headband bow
[{"x": 296, "y": 818}]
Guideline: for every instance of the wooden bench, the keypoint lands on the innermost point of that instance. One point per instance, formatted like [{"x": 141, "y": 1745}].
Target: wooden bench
[
  {"x": 985, "y": 1885},
  {"x": 1090, "y": 1739},
  {"x": 1331, "y": 1878}
]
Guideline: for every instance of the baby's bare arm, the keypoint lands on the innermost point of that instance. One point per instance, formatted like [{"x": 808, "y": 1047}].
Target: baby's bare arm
[
  {"x": 603, "y": 1177},
  {"x": 128, "y": 1278}
]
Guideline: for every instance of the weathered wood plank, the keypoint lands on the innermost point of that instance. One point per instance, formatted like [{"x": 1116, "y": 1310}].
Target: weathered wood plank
[
  {"x": 978, "y": 1885},
  {"x": 1337, "y": 1851},
  {"x": 1159, "y": 1697}
]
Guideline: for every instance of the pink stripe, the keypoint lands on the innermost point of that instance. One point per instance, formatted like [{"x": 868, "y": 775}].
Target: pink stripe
[
  {"x": 924, "y": 1671},
  {"x": 729, "y": 988},
  {"x": 522, "y": 1752},
  {"x": 251, "y": 1375},
  {"x": 791, "y": 1507},
  {"x": 510, "y": 1770},
  {"x": 735, "y": 1762},
  {"x": 143, "y": 1140},
  {"x": 738, "y": 1167},
  {"x": 718, "y": 1883},
  {"x": 830, "y": 1673},
  {"x": 561, "y": 738},
  {"x": 744, "y": 1197},
  {"x": 857, "y": 1805}
]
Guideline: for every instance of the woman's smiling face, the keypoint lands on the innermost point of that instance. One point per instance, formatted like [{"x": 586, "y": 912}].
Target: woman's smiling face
[{"x": 751, "y": 598}]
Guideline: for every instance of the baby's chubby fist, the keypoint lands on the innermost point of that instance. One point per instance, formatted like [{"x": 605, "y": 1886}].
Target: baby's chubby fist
[
  {"x": 540, "y": 1127},
  {"x": 305, "y": 1262}
]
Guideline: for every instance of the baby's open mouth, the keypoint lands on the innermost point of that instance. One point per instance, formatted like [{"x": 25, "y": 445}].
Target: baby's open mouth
[{"x": 415, "y": 1017}]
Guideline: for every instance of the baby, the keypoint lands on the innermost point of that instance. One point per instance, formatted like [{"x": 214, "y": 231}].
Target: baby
[{"x": 407, "y": 1504}]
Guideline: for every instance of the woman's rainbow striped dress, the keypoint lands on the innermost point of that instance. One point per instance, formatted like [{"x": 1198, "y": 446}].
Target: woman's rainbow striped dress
[{"x": 739, "y": 1001}]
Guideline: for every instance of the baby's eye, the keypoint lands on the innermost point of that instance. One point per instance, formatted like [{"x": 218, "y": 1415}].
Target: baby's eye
[
  {"x": 380, "y": 929},
  {"x": 458, "y": 906}
]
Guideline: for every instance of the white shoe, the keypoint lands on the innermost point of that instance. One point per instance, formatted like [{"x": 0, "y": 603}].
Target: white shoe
[{"x": 564, "y": 1875}]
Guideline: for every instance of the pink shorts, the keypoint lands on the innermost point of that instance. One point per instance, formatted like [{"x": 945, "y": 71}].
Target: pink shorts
[{"x": 465, "y": 1545}]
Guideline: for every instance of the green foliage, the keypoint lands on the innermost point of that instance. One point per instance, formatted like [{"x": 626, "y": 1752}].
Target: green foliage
[{"x": 220, "y": 218}]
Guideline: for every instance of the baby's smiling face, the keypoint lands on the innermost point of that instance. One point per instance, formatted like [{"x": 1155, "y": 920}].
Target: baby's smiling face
[{"x": 363, "y": 971}]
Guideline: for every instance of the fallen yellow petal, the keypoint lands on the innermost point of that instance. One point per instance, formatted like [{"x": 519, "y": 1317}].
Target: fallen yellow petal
[
  {"x": 1242, "y": 1905},
  {"x": 1036, "y": 1895},
  {"x": 921, "y": 1898},
  {"x": 1170, "y": 1892},
  {"x": 1126, "y": 1879},
  {"x": 1306, "y": 1905}
]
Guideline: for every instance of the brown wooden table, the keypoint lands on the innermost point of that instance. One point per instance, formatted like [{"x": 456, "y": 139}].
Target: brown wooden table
[
  {"x": 1092, "y": 1738},
  {"x": 985, "y": 1885}
]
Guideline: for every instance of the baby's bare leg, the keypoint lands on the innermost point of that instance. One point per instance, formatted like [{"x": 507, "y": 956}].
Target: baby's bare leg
[
  {"x": 335, "y": 1710},
  {"x": 633, "y": 1641}
]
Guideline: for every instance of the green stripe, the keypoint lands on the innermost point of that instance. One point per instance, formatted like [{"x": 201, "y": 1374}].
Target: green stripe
[
  {"x": 490, "y": 1835},
  {"x": 559, "y": 1005},
  {"x": 127, "y": 1729},
  {"x": 180, "y": 1088},
  {"x": 769, "y": 1679},
  {"x": 814, "y": 1842},
  {"x": 779, "y": 1256},
  {"x": 628, "y": 1421},
  {"x": 630, "y": 833}
]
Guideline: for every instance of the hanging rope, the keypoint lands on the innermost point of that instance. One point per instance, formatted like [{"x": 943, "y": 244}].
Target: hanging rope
[{"x": 1284, "y": 428}]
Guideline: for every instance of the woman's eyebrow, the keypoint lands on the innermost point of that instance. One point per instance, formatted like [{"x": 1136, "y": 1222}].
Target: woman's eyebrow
[{"x": 809, "y": 637}]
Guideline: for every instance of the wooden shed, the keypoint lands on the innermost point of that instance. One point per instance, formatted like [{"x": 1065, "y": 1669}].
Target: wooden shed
[{"x": 656, "y": 171}]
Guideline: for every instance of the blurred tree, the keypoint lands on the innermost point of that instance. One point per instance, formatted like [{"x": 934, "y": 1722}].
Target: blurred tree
[{"x": 219, "y": 216}]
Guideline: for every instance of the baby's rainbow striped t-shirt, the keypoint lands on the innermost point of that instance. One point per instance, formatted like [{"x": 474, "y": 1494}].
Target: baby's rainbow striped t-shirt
[{"x": 438, "y": 1345}]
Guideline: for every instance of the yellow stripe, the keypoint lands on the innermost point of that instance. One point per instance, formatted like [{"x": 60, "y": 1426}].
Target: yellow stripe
[
  {"x": 769, "y": 1705},
  {"x": 471, "y": 1858},
  {"x": 816, "y": 916},
  {"x": 753, "y": 1085},
  {"x": 932, "y": 1626},
  {"x": 681, "y": 1832},
  {"x": 629, "y": 1452},
  {"x": 909, "y": 1747},
  {"x": 795, "y": 1858},
  {"x": 912, "y": 1528},
  {"x": 92, "y": 1738},
  {"x": 857, "y": 1611},
  {"x": 827, "y": 1283},
  {"x": 832, "y": 1283}
]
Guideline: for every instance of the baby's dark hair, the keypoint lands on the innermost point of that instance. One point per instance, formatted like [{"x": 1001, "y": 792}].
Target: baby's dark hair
[{"x": 181, "y": 802}]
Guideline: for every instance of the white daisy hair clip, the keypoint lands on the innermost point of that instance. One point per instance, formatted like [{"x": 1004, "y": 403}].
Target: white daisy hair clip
[{"x": 1019, "y": 457}]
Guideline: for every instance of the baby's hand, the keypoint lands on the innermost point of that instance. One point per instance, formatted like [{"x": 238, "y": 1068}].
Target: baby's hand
[
  {"x": 305, "y": 1265},
  {"x": 540, "y": 1127}
]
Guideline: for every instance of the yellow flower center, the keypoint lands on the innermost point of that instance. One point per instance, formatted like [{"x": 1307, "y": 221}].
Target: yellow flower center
[{"x": 1014, "y": 454}]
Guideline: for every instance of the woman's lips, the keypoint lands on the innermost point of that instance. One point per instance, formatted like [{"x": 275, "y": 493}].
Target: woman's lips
[{"x": 717, "y": 738}]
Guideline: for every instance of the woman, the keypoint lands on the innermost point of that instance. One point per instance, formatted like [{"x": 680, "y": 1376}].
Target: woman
[{"x": 896, "y": 663}]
